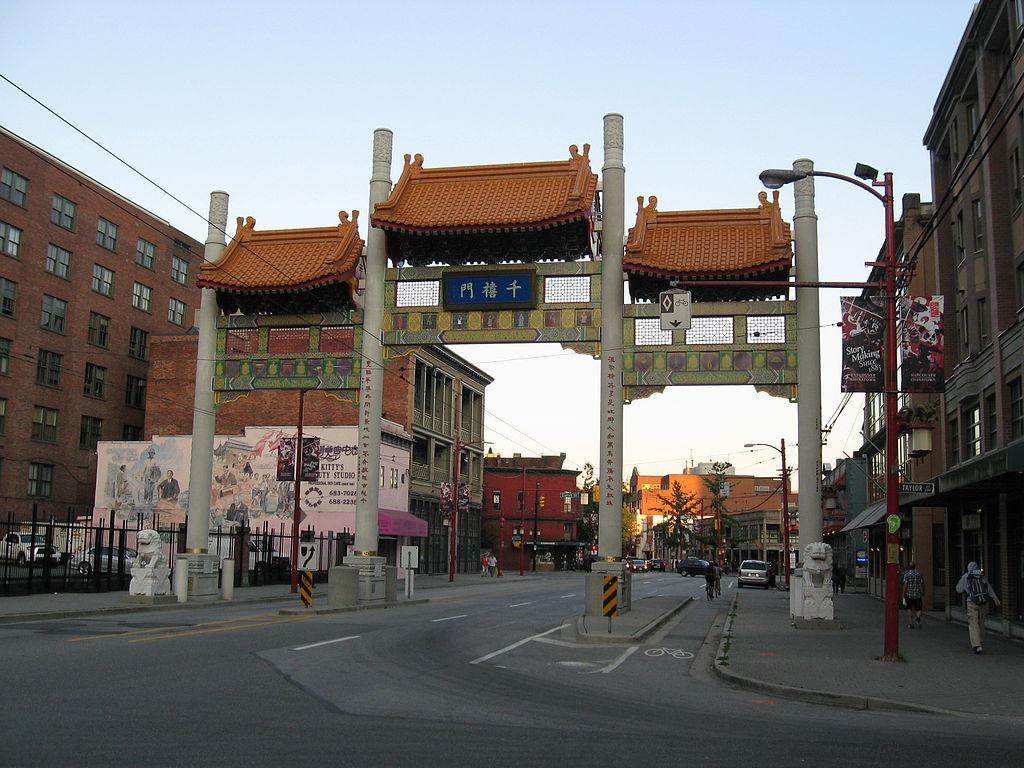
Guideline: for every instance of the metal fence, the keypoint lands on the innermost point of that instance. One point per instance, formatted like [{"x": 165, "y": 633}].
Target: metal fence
[{"x": 80, "y": 555}]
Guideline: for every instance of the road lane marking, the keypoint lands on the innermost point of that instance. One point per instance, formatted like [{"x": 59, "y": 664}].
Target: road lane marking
[
  {"x": 525, "y": 640},
  {"x": 449, "y": 618},
  {"x": 172, "y": 626},
  {"x": 220, "y": 629},
  {"x": 325, "y": 642},
  {"x": 565, "y": 596},
  {"x": 611, "y": 667},
  {"x": 528, "y": 602}
]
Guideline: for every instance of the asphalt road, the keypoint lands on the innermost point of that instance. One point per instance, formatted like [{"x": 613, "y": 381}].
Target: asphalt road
[{"x": 492, "y": 679}]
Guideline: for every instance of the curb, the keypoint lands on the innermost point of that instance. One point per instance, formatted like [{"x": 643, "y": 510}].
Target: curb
[
  {"x": 814, "y": 696},
  {"x": 637, "y": 635}
]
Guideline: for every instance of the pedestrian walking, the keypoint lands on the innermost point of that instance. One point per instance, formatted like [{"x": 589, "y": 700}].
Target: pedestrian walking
[
  {"x": 979, "y": 592},
  {"x": 492, "y": 565},
  {"x": 913, "y": 595},
  {"x": 838, "y": 579},
  {"x": 484, "y": 565}
]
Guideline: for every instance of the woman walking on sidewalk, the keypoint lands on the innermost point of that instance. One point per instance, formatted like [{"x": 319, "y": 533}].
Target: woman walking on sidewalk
[{"x": 975, "y": 586}]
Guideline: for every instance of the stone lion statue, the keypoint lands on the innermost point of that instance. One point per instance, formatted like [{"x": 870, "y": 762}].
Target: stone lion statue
[
  {"x": 818, "y": 565},
  {"x": 151, "y": 554},
  {"x": 149, "y": 571}
]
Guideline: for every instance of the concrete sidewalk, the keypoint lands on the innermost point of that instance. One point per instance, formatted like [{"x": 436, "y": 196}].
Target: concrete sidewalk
[
  {"x": 44, "y": 606},
  {"x": 761, "y": 650}
]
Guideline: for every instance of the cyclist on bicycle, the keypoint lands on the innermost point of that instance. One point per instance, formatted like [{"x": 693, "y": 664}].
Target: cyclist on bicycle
[{"x": 710, "y": 579}]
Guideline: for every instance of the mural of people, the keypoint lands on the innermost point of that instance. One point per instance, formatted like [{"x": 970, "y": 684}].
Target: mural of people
[
  {"x": 169, "y": 489},
  {"x": 149, "y": 479}
]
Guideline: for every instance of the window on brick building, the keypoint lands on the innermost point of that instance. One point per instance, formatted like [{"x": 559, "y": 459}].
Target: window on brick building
[
  {"x": 179, "y": 270},
  {"x": 54, "y": 313},
  {"x": 48, "y": 368},
  {"x": 44, "y": 424},
  {"x": 8, "y": 297},
  {"x": 991, "y": 422},
  {"x": 954, "y": 441},
  {"x": 62, "y": 212},
  {"x": 135, "y": 392},
  {"x": 138, "y": 343},
  {"x": 131, "y": 432},
  {"x": 145, "y": 252},
  {"x": 496, "y": 498},
  {"x": 106, "y": 234},
  {"x": 95, "y": 380},
  {"x": 13, "y": 187},
  {"x": 972, "y": 431},
  {"x": 176, "y": 311},
  {"x": 3, "y": 415},
  {"x": 959, "y": 247},
  {"x": 40, "y": 480},
  {"x": 10, "y": 240},
  {"x": 5, "y": 356},
  {"x": 978, "y": 222},
  {"x": 58, "y": 260},
  {"x": 1015, "y": 390},
  {"x": 90, "y": 433},
  {"x": 99, "y": 329},
  {"x": 142, "y": 296},
  {"x": 102, "y": 280}
]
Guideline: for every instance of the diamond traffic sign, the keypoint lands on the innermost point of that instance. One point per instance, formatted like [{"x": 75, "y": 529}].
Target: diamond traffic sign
[{"x": 675, "y": 310}]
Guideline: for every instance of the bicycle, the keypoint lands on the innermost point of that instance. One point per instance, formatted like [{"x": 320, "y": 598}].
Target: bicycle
[{"x": 709, "y": 587}]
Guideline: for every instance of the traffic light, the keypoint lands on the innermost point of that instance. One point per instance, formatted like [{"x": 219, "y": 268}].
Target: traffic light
[{"x": 542, "y": 502}]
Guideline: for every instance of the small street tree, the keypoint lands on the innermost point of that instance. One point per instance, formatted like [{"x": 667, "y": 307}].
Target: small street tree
[
  {"x": 679, "y": 509},
  {"x": 724, "y": 524}
]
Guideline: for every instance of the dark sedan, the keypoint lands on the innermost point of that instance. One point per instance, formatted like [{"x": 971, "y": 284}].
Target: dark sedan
[
  {"x": 692, "y": 566},
  {"x": 656, "y": 565}
]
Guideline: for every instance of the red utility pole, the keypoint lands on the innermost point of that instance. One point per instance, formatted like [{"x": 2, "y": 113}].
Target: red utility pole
[{"x": 296, "y": 513}]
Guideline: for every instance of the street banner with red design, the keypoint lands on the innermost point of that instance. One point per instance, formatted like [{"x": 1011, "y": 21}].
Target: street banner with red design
[
  {"x": 863, "y": 343},
  {"x": 922, "y": 344}
]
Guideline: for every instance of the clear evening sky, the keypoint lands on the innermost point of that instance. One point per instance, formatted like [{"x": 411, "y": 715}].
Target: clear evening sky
[{"x": 276, "y": 103}]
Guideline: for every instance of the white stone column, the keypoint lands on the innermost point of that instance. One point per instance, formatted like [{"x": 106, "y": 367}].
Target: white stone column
[
  {"x": 371, "y": 385},
  {"x": 609, "y": 538},
  {"x": 202, "y": 566},
  {"x": 805, "y": 238}
]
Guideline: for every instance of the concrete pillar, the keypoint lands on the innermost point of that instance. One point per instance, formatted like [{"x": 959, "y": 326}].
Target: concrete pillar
[
  {"x": 805, "y": 237},
  {"x": 202, "y": 583},
  {"x": 609, "y": 541},
  {"x": 371, "y": 384}
]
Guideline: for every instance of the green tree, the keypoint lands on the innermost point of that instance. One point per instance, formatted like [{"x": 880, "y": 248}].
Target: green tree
[
  {"x": 678, "y": 508},
  {"x": 718, "y": 484},
  {"x": 586, "y": 519}
]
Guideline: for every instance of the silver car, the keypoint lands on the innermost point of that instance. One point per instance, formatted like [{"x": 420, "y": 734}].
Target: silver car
[
  {"x": 84, "y": 560},
  {"x": 756, "y": 573}
]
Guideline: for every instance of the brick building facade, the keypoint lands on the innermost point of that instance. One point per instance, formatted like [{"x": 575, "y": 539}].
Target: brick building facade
[{"x": 88, "y": 281}]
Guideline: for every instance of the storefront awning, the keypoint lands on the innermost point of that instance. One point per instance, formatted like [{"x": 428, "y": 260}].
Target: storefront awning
[
  {"x": 871, "y": 515},
  {"x": 395, "y": 522}
]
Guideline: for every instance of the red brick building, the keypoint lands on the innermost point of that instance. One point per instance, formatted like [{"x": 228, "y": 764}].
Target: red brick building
[
  {"x": 88, "y": 280},
  {"x": 531, "y": 505}
]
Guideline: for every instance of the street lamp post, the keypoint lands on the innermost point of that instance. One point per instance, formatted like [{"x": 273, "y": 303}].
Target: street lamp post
[
  {"x": 453, "y": 528},
  {"x": 785, "y": 503},
  {"x": 774, "y": 179}
]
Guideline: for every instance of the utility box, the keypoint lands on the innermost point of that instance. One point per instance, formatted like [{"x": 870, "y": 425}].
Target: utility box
[{"x": 342, "y": 586}]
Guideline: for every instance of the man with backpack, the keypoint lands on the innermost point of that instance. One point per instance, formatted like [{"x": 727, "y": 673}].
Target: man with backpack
[{"x": 979, "y": 592}]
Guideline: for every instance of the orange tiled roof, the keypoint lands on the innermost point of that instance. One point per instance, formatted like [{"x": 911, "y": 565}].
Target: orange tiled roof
[
  {"x": 705, "y": 244},
  {"x": 286, "y": 259},
  {"x": 489, "y": 197}
]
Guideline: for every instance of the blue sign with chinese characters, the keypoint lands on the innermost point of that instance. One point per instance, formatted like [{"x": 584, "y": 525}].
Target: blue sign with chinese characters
[{"x": 489, "y": 290}]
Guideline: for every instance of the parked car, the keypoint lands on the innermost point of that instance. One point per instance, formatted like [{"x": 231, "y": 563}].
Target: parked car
[
  {"x": 656, "y": 565},
  {"x": 110, "y": 558},
  {"x": 28, "y": 547},
  {"x": 636, "y": 565},
  {"x": 691, "y": 566},
  {"x": 756, "y": 573}
]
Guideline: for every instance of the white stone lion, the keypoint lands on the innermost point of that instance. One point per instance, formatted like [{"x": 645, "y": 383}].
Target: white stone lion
[
  {"x": 151, "y": 553},
  {"x": 150, "y": 571},
  {"x": 818, "y": 565}
]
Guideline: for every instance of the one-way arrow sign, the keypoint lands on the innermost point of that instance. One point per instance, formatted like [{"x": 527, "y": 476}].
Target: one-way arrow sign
[{"x": 675, "y": 310}]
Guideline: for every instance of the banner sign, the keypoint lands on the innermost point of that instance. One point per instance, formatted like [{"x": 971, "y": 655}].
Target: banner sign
[
  {"x": 863, "y": 341},
  {"x": 488, "y": 290},
  {"x": 922, "y": 344},
  {"x": 310, "y": 459}
]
